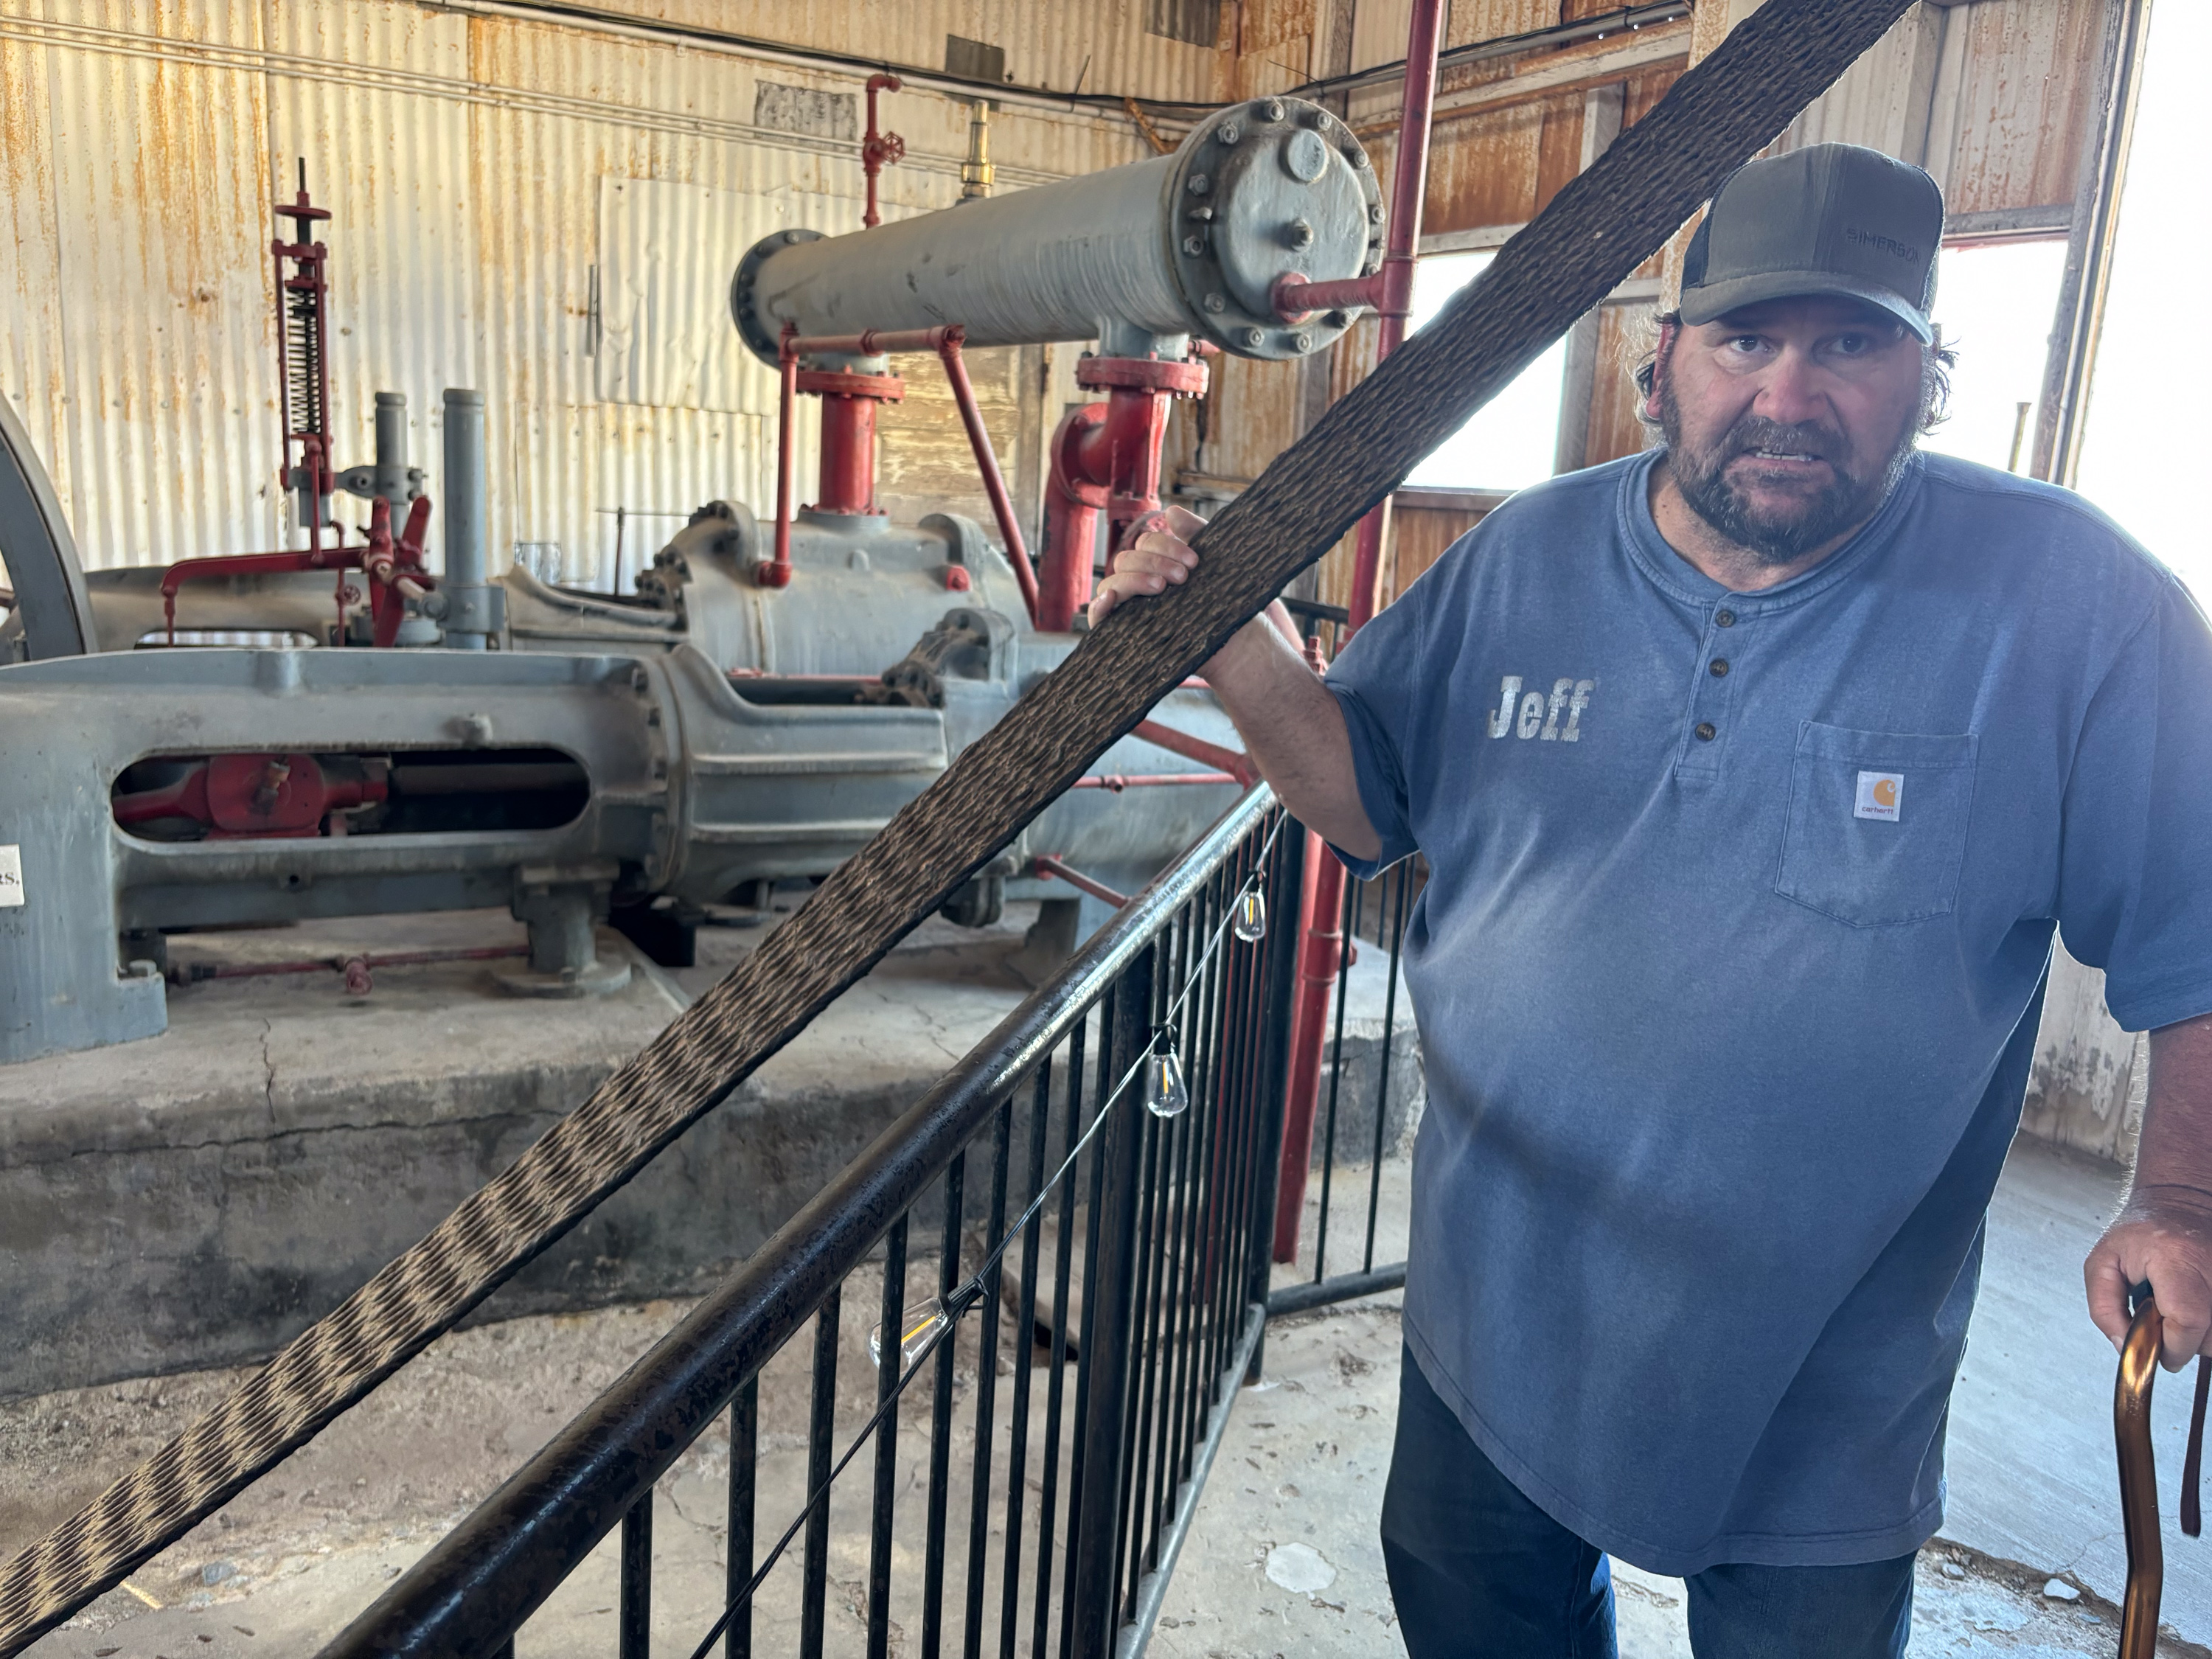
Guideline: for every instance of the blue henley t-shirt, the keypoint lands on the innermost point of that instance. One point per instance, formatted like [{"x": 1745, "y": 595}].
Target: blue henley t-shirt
[{"x": 1728, "y": 967}]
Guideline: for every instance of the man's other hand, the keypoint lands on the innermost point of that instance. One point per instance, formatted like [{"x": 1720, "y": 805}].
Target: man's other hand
[
  {"x": 2162, "y": 1234},
  {"x": 1160, "y": 555}
]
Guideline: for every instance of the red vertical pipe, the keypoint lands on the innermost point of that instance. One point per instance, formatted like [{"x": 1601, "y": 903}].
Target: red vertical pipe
[
  {"x": 1321, "y": 906},
  {"x": 1073, "y": 500},
  {"x": 848, "y": 479},
  {"x": 776, "y": 572}
]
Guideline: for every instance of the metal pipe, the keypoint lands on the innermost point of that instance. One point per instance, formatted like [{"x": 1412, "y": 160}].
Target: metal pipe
[
  {"x": 776, "y": 572},
  {"x": 987, "y": 463},
  {"x": 1321, "y": 903},
  {"x": 1235, "y": 761},
  {"x": 468, "y": 617},
  {"x": 1117, "y": 781},
  {"x": 847, "y": 478},
  {"x": 1186, "y": 243},
  {"x": 1046, "y": 864},
  {"x": 878, "y": 149}
]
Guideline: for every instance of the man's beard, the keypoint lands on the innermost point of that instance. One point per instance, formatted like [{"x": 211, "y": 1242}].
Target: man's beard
[{"x": 1773, "y": 538}]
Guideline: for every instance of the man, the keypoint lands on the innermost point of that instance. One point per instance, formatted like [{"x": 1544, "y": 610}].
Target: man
[{"x": 1753, "y": 774}]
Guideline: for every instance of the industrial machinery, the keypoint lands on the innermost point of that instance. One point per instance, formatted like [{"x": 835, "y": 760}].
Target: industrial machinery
[{"x": 770, "y": 695}]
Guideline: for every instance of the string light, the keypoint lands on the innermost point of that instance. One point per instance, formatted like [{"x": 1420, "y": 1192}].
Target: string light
[
  {"x": 917, "y": 1328},
  {"x": 1251, "y": 923},
  {"x": 1165, "y": 1095}
]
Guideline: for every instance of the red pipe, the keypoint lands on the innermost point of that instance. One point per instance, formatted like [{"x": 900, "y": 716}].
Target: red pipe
[
  {"x": 987, "y": 463},
  {"x": 878, "y": 149},
  {"x": 1321, "y": 906},
  {"x": 775, "y": 572},
  {"x": 1117, "y": 781},
  {"x": 847, "y": 480},
  {"x": 849, "y": 434},
  {"x": 1072, "y": 506},
  {"x": 1106, "y": 457},
  {"x": 1234, "y": 762},
  {"x": 1046, "y": 865}
]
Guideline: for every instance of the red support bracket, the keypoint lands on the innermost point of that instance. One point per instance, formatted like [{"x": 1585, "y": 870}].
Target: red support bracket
[
  {"x": 1046, "y": 864},
  {"x": 1234, "y": 761}
]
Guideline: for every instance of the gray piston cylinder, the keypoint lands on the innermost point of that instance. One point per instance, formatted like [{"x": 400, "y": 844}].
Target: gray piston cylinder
[{"x": 1188, "y": 243}]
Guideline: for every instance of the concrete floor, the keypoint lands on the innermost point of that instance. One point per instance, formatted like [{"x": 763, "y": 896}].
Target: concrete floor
[{"x": 1282, "y": 1558}]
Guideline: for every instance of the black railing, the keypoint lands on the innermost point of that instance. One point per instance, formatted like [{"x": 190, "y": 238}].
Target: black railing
[
  {"x": 1371, "y": 1096},
  {"x": 1137, "y": 1247}
]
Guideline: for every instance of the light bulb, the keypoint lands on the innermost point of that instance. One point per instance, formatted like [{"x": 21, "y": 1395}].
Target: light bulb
[
  {"x": 1251, "y": 923},
  {"x": 918, "y": 1327},
  {"x": 1164, "y": 1093}
]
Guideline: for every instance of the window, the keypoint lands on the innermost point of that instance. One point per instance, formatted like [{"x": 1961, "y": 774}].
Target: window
[
  {"x": 1511, "y": 441},
  {"x": 2142, "y": 447},
  {"x": 974, "y": 60},
  {"x": 1995, "y": 304},
  {"x": 1198, "y": 21}
]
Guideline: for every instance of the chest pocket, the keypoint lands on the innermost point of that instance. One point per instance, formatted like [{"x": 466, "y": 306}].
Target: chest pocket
[{"x": 1877, "y": 825}]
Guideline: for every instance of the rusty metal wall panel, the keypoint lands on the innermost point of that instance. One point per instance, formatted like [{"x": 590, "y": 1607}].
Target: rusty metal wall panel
[
  {"x": 1104, "y": 41},
  {"x": 463, "y": 156},
  {"x": 31, "y": 374},
  {"x": 1623, "y": 336},
  {"x": 158, "y": 351},
  {"x": 2024, "y": 103}
]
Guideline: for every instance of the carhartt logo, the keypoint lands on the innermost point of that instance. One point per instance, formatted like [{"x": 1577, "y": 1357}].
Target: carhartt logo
[{"x": 1880, "y": 795}]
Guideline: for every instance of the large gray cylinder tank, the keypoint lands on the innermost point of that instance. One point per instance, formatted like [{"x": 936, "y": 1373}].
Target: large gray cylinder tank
[{"x": 1188, "y": 243}]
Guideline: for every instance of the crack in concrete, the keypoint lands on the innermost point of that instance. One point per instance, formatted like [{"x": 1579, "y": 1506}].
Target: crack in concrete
[{"x": 268, "y": 1073}]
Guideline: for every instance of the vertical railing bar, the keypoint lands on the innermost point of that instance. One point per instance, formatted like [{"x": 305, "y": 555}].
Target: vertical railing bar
[
  {"x": 1222, "y": 1150},
  {"x": 1278, "y": 993},
  {"x": 1261, "y": 1103},
  {"x": 1144, "y": 1355},
  {"x": 986, "y": 1389},
  {"x": 745, "y": 1451},
  {"x": 821, "y": 1435},
  {"x": 1200, "y": 1141},
  {"x": 1382, "y": 1066},
  {"x": 1018, "y": 1412},
  {"x": 1182, "y": 1209},
  {"x": 1221, "y": 1185},
  {"x": 1354, "y": 896},
  {"x": 890, "y": 1365},
  {"x": 940, "y": 1419},
  {"x": 1099, "y": 1529},
  {"x": 1235, "y": 1169},
  {"x": 1167, "y": 1449},
  {"x": 1181, "y": 1281},
  {"x": 1152, "y": 1262},
  {"x": 634, "y": 1597},
  {"x": 1087, "y": 1352},
  {"x": 1063, "y": 1259}
]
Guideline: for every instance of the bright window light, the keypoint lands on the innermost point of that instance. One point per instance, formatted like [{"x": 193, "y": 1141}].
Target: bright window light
[
  {"x": 1995, "y": 304},
  {"x": 2142, "y": 450},
  {"x": 1511, "y": 441}
]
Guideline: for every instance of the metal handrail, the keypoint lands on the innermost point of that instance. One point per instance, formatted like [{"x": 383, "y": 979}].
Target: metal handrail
[{"x": 474, "y": 1587}]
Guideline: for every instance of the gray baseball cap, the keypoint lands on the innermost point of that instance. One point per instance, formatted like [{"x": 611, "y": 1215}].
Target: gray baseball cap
[{"x": 1827, "y": 219}]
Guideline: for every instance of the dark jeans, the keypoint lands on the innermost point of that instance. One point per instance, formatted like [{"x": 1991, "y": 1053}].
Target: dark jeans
[{"x": 1477, "y": 1568}]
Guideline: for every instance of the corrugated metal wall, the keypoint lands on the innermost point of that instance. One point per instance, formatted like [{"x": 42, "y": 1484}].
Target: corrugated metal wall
[{"x": 478, "y": 167}]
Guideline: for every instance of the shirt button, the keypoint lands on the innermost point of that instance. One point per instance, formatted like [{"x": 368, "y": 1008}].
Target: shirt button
[
  {"x": 1706, "y": 732},
  {"x": 1719, "y": 666},
  {"x": 1724, "y": 618}
]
